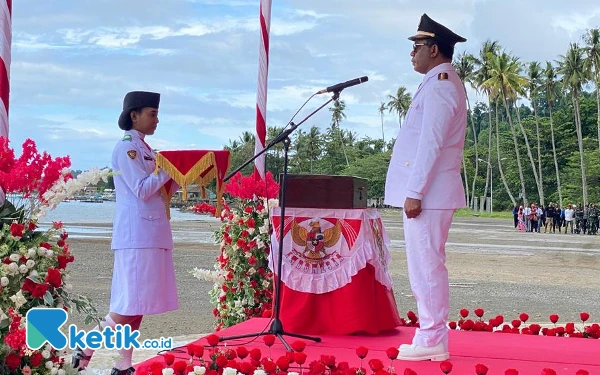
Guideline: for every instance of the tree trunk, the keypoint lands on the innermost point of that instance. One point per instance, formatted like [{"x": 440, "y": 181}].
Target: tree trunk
[
  {"x": 512, "y": 199},
  {"x": 382, "y": 132},
  {"x": 475, "y": 147},
  {"x": 466, "y": 178},
  {"x": 489, "y": 154},
  {"x": 530, "y": 155},
  {"x": 580, "y": 141},
  {"x": 597, "y": 102},
  {"x": 554, "y": 155},
  {"x": 514, "y": 137},
  {"x": 539, "y": 152}
]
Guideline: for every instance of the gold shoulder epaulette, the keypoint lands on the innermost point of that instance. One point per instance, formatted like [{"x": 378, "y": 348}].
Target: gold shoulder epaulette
[
  {"x": 442, "y": 76},
  {"x": 127, "y": 137}
]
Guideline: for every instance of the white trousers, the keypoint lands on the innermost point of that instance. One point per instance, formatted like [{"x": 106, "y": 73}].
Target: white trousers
[{"x": 425, "y": 238}]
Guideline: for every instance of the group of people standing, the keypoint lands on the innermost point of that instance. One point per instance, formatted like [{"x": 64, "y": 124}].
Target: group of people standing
[{"x": 573, "y": 218}]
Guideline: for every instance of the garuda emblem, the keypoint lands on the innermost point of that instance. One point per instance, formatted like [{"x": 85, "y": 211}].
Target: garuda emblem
[{"x": 315, "y": 241}]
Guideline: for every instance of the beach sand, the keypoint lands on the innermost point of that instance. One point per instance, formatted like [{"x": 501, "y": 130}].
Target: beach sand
[{"x": 491, "y": 266}]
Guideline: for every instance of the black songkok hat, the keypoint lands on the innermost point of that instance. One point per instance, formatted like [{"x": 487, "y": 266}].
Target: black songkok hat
[{"x": 136, "y": 100}]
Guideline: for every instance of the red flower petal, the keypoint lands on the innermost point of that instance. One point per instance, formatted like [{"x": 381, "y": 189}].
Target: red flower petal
[
  {"x": 362, "y": 352},
  {"x": 464, "y": 313},
  {"x": 554, "y": 318},
  {"x": 479, "y": 312},
  {"x": 269, "y": 340},
  {"x": 392, "y": 352},
  {"x": 524, "y": 317},
  {"x": 511, "y": 371},
  {"x": 213, "y": 340},
  {"x": 298, "y": 345},
  {"x": 446, "y": 367},
  {"x": 584, "y": 316},
  {"x": 481, "y": 369}
]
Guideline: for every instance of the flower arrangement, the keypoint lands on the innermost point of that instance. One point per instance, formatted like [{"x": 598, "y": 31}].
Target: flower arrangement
[
  {"x": 34, "y": 262},
  {"x": 242, "y": 282},
  {"x": 214, "y": 360}
]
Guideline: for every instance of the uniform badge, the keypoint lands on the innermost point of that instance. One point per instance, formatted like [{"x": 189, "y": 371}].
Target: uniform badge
[
  {"x": 132, "y": 154},
  {"x": 442, "y": 76},
  {"x": 127, "y": 137}
]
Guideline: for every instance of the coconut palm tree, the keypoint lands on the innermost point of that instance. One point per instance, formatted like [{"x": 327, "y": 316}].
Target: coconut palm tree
[
  {"x": 465, "y": 68},
  {"x": 337, "y": 115},
  {"x": 314, "y": 141},
  {"x": 575, "y": 74},
  {"x": 506, "y": 80},
  {"x": 592, "y": 51},
  {"x": 382, "y": 109},
  {"x": 550, "y": 84},
  {"x": 534, "y": 76},
  {"x": 482, "y": 74},
  {"x": 399, "y": 103}
]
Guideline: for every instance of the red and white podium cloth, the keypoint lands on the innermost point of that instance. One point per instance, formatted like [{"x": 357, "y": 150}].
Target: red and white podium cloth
[{"x": 334, "y": 271}]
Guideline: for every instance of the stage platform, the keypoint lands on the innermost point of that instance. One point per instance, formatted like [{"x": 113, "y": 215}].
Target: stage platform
[{"x": 530, "y": 355}]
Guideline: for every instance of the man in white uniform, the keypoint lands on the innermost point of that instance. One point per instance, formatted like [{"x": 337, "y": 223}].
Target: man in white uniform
[
  {"x": 143, "y": 276},
  {"x": 424, "y": 179}
]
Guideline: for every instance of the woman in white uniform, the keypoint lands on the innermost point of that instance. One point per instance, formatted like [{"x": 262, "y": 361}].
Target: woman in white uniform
[{"x": 143, "y": 276}]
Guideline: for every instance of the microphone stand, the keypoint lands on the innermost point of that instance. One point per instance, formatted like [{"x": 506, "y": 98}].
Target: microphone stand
[{"x": 276, "y": 327}]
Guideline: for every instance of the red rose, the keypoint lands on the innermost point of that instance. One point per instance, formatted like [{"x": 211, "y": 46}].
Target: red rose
[
  {"x": 375, "y": 364},
  {"x": 283, "y": 363},
  {"x": 516, "y": 323},
  {"x": 408, "y": 371},
  {"x": 316, "y": 367},
  {"x": 13, "y": 361},
  {"x": 446, "y": 367},
  {"x": 452, "y": 325},
  {"x": 46, "y": 245},
  {"x": 179, "y": 367},
  {"x": 481, "y": 369},
  {"x": 467, "y": 325},
  {"x": 54, "y": 277},
  {"x": 548, "y": 371},
  {"x": 250, "y": 223},
  {"x": 412, "y": 316},
  {"x": 511, "y": 371},
  {"x": 582, "y": 372},
  {"x": 266, "y": 314},
  {"x": 242, "y": 352},
  {"x": 269, "y": 340},
  {"x": 64, "y": 235},
  {"x": 479, "y": 312},
  {"x": 570, "y": 328},
  {"x": 213, "y": 340},
  {"x": 17, "y": 229},
  {"x": 298, "y": 345},
  {"x": 221, "y": 361},
  {"x": 31, "y": 226},
  {"x": 36, "y": 359},
  {"x": 328, "y": 360},
  {"x": 57, "y": 224},
  {"x": 524, "y": 317},
  {"x": 300, "y": 358},
  {"x": 269, "y": 366},
  {"x": 464, "y": 313},
  {"x": 60, "y": 243},
  {"x": 554, "y": 318},
  {"x": 255, "y": 354},
  {"x": 584, "y": 316},
  {"x": 362, "y": 352},
  {"x": 392, "y": 352},
  {"x": 169, "y": 359},
  {"x": 63, "y": 260},
  {"x": 248, "y": 209}
]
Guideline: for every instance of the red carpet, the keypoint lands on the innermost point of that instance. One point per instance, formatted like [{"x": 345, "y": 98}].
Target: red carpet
[{"x": 498, "y": 351}]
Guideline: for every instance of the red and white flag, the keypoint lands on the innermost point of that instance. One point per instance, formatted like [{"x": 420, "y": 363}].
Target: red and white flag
[
  {"x": 5, "y": 42},
  {"x": 261, "y": 92}
]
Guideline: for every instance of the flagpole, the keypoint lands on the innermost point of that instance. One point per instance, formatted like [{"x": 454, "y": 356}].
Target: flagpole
[{"x": 261, "y": 92}]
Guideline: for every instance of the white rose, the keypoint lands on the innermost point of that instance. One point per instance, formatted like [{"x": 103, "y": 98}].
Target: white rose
[
  {"x": 46, "y": 354},
  {"x": 14, "y": 257},
  {"x": 251, "y": 271},
  {"x": 4, "y": 281},
  {"x": 250, "y": 230},
  {"x": 199, "y": 370},
  {"x": 265, "y": 283},
  {"x": 229, "y": 371},
  {"x": 33, "y": 273},
  {"x": 49, "y": 253},
  {"x": 61, "y": 372},
  {"x": 41, "y": 251},
  {"x": 23, "y": 268},
  {"x": 31, "y": 253},
  {"x": 264, "y": 229},
  {"x": 18, "y": 299},
  {"x": 168, "y": 371},
  {"x": 30, "y": 263},
  {"x": 49, "y": 365},
  {"x": 259, "y": 372},
  {"x": 13, "y": 268},
  {"x": 293, "y": 373},
  {"x": 54, "y": 371}
]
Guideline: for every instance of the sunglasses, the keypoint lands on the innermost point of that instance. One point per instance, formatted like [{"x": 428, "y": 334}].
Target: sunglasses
[{"x": 417, "y": 45}]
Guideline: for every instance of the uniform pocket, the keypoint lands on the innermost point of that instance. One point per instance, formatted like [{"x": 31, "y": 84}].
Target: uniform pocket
[{"x": 150, "y": 215}]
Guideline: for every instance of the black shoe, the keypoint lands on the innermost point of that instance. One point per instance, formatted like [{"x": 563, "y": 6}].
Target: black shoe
[
  {"x": 116, "y": 371},
  {"x": 77, "y": 357}
]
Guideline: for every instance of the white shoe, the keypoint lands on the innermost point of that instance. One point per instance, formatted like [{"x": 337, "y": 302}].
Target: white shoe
[{"x": 423, "y": 353}]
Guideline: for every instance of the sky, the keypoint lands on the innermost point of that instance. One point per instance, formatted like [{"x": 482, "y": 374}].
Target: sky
[{"x": 74, "y": 60}]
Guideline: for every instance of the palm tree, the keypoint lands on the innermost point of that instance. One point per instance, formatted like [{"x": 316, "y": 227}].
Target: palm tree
[
  {"x": 465, "y": 68},
  {"x": 382, "y": 109},
  {"x": 504, "y": 182},
  {"x": 592, "y": 50},
  {"x": 337, "y": 115},
  {"x": 534, "y": 76},
  {"x": 399, "y": 103},
  {"x": 550, "y": 83},
  {"x": 482, "y": 74},
  {"x": 574, "y": 75}
]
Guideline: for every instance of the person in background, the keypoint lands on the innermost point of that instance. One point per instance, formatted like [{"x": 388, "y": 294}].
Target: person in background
[
  {"x": 516, "y": 215},
  {"x": 143, "y": 281},
  {"x": 424, "y": 179},
  {"x": 521, "y": 220},
  {"x": 569, "y": 215}
]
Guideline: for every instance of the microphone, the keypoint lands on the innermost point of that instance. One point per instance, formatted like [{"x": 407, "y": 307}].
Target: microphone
[{"x": 343, "y": 85}]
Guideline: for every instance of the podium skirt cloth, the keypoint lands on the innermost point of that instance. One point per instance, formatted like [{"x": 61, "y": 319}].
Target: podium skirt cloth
[{"x": 143, "y": 282}]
